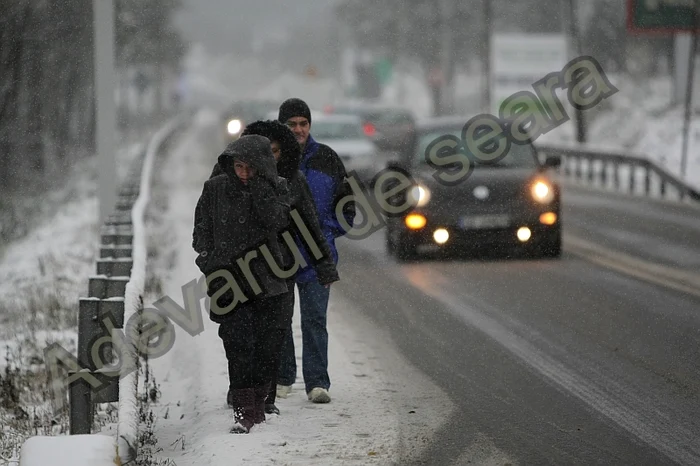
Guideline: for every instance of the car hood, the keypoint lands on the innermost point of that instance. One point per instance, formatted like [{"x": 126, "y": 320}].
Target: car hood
[{"x": 507, "y": 189}]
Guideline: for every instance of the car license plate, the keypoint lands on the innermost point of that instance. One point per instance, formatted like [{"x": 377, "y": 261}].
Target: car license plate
[{"x": 485, "y": 221}]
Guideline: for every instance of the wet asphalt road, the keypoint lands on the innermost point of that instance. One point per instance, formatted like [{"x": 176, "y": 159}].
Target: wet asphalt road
[{"x": 558, "y": 362}]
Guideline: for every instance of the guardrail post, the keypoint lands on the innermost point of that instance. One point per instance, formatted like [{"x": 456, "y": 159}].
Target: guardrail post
[
  {"x": 119, "y": 218},
  {"x": 566, "y": 165},
  {"x": 80, "y": 392},
  {"x": 633, "y": 171},
  {"x": 579, "y": 168},
  {"x": 662, "y": 187},
  {"x": 119, "y": 267},
  {"x": 590, "y": 170},
  {"x": 119, "y": 238},
  {"x": 107, "y": 287},
  {"x": 604, "y": 173},
  {"x": 115, "y": 251},
  {"x": 616, "y": 175},
  {"x": 647, "y": 179},
  {"x": 112, "y": 309},
  {"x": 82, "y": 411}
]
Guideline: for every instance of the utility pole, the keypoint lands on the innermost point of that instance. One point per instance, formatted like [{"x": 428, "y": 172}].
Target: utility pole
[
  {"x": 689, "y": 87},
  {"x": 106, "y": 115},
  {"x": 447, "y": 13},
  {"x": 486, "y": 98},
  {"x": 574, "y": 35},
  {"x": 401, "y": 34}
]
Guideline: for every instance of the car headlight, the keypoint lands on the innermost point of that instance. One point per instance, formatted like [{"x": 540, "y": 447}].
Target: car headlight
[
  {"x": 234, "y": 126},
  {"x": 420, "y": 195},
  {"x": 542, "y": 191}
]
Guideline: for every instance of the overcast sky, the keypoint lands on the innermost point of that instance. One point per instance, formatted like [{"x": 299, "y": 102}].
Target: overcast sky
[{"x": 220, "y": 24}]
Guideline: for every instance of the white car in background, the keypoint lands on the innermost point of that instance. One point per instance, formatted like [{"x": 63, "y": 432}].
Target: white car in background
[{"x": 346, "y": 136}]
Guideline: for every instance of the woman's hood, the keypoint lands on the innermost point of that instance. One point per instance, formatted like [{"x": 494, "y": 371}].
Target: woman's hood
[
  {"x": 290, "y": 152},
  {"x": 254, "y": 150}
]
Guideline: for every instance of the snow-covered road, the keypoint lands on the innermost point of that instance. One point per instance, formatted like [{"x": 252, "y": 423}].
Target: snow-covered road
[{"x": 382, "y": 408}]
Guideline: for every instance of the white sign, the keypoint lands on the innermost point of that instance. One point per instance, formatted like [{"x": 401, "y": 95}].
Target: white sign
[{"x": 520, "y": 60}]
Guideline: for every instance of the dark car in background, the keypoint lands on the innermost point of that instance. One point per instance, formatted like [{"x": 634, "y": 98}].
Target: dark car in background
[
  {"x": 510, "y": 205},
  {"x": 244, "y": 112},
  {"x": 390, "y": 127}
]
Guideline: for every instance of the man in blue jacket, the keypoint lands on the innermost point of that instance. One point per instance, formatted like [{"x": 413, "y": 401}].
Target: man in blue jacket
[{"x": 326, "y": 176}]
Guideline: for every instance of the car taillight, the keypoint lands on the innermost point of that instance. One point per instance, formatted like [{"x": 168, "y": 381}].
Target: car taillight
[
  {"x": 328, "y": 109},
  {"x": 369, "y": 129}
]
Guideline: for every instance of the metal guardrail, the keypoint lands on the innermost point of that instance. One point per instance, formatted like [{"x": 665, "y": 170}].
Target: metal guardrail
[
  {"x": 603, "y": 168},
  {"x": 115, "y": 293}
]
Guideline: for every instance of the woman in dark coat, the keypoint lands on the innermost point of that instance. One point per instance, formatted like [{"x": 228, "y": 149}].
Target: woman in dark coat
[
  {"x": 237, "y": 220},
  {"x": 287, "y": 152}
]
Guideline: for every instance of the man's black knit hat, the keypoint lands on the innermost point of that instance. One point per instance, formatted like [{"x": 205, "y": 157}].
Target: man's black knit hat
[{"x": 294, "y": 107}]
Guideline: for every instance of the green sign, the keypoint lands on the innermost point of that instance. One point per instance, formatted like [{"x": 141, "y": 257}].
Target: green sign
[
  {"x": 661, "y": 15},
  {"x": 383, "y": 68}
]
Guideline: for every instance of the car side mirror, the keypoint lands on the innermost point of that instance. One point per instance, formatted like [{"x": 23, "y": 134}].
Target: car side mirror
[{"x": 552, "y": 161}]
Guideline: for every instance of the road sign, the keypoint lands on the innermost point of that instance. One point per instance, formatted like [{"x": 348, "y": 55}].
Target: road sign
[
  {"x": 383, "y": 68},
  {"x": 519, "y": 60},
  {"x": 661, "y": 16}
]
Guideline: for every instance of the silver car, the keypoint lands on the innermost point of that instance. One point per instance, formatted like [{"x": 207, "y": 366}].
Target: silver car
[{"x": 345, "y": 135}]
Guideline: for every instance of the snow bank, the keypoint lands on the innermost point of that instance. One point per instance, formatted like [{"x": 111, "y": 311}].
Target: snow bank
[
  {"x": 638, "y": 121},
  {"x": 73, "y": 450}
]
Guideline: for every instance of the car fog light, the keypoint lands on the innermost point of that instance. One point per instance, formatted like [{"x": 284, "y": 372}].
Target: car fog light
[
  {"x": 548, "y": 218},
  {"x": 524, "y": 234},
  {"x": 441, "y": 236},
  {"x": 415, "y": 221}
]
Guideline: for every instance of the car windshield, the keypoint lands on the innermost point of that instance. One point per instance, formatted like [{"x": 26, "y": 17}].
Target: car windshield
[
  {"x": 519, "y": 156},
  {"x": 336, "y": 130},
  {"x": 389, "y": 117}
]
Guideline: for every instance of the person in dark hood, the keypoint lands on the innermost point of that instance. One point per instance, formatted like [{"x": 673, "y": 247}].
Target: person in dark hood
[
  {"x": 287, "y": 152},
  {"x": 236, "y": 221},
  {"x": 327, "y": 179}
]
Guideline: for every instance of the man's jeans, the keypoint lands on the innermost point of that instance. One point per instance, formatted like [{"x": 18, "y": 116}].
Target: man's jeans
[{"x": 313, "y": 300}]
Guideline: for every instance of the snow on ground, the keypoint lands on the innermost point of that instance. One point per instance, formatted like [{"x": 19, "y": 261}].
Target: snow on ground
[
  {"x": 51, "y": 264},
  {"x": 42, "y": 277},
  {"x": 95, "y": 450},
  {"x": 373, "y": 388}
]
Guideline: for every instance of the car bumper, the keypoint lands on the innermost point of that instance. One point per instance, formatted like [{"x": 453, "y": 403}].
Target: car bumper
[{"x": 475, "y": 240}]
